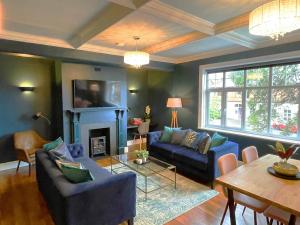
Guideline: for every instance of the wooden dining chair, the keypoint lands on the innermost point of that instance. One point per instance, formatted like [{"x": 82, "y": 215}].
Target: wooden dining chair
[
  {"x": 26, "y": 143},
  {"x": 249, "y": 154},
  {"x": 143, "y": 130},
  {"x": 226, "y": 164},
  {"x": 282, "y": 217}
]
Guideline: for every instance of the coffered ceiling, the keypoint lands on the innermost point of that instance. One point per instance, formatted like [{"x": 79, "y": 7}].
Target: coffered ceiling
[{"x": 172, "y": 31}]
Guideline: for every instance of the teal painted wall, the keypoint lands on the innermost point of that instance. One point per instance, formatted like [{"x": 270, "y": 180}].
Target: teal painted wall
[{"x": 17, "y": 108}]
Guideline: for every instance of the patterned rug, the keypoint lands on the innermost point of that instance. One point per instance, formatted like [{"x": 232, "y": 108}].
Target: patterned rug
[{"x": 168, "y": 203}]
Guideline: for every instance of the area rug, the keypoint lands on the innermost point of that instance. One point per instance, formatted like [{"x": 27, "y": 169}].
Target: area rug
[{"x": 168, "y": 203}]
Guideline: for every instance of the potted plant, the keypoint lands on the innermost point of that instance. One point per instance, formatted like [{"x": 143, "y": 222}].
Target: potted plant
[{"x": 143, "y": 155}]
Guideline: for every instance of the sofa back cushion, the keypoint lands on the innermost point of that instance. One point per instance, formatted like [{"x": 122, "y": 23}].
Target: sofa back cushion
[
  {"x": 217, "y": 140},
  {"x": 203, "y": 142},
  {"x": 53, "y": 144},
  {"x": 178, "y": 136},
  {"x": 60, "y": 152},
  {"x": 76, "y": 174},
  {"x": 189, "y": 139},
  {"x": 167, "y": 134}
]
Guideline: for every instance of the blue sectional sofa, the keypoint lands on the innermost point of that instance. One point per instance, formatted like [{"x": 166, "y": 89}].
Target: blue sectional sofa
[
  {"x": 107, "y": 200},
  {"x": 190, "y": 162}
]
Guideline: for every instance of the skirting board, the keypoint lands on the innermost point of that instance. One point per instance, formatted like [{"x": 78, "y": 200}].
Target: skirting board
[{"x": 11, "y": 165}]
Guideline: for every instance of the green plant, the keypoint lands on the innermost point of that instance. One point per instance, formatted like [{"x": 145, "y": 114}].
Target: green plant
[{"x": 141, "y": 154}]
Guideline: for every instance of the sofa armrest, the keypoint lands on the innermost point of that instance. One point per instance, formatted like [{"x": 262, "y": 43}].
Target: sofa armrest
[
  {"x": 216, "y": 152},
  {"x": 108, "y": 201},
  {"x": 76, "y": 150},
  {"x": 153, "y": 137}
]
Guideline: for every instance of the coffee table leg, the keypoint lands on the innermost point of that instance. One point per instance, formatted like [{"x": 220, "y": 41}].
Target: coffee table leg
[
  {"x": 175, "y": 179},
  {"x": 231, "y": 206},
  {"x": 111, "y": 165},
  {"x": 146, "y": 188},
  {"x": 292, "y": 220}
]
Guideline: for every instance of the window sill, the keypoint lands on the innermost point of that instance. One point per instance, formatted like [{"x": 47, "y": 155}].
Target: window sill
[{"x": 262, "y": 137}]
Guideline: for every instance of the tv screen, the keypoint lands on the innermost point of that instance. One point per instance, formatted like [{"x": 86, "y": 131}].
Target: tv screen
[{"x": 96, "y": 93}]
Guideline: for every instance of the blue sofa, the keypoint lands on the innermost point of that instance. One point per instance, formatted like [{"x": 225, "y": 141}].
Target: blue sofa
[
  {"x": 188, "y": 161},
  {"x": 107, "y": 200}
]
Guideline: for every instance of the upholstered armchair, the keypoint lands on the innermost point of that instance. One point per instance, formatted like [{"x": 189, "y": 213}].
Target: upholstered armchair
[{"x": 26, "y": 144}]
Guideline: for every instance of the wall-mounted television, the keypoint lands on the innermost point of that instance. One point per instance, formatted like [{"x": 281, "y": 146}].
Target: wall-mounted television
[{"x": 96, "y": 93}]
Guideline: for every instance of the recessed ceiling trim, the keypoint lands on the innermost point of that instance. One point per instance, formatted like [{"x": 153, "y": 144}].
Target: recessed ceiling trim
[{"x": 238, "y": 39}]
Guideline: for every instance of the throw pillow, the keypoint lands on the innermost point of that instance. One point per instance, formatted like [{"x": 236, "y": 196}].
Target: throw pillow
[
  {"x": 61, "y": 152},
  {"x": 189, "y": 138},
  {"x": 53, "y": 144},
  {"x": 178, "y": 136},
  {"x": 59, "y": 163},
  {"x": 203, "y": 143},
  {"x": 217, "y": 140},
  {"x": 75, "y": 174},
  {"x": 167, "y": 134}
]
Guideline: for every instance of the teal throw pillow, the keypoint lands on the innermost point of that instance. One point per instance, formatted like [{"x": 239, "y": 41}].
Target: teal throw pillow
[
  {"x": 167, "y": 134},
  {"x": 178, "y": 136},
  {"x": 53, "y": 144},
  {"x": 189, "y": 139},
  {"x": 217, "y": 140},
  {"x": 75, "y": 174}
]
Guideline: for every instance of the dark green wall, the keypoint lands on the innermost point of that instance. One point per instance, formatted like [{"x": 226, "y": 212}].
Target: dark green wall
[
  {"x": 16, "y": 107},
  {"x": 186, "y": 85}
]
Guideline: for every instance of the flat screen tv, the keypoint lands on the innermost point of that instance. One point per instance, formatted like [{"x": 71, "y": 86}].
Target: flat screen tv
[{"x": 96, "y": 93}]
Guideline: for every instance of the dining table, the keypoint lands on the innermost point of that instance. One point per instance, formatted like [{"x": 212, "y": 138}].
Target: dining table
[{"x": 254, "y": 180}]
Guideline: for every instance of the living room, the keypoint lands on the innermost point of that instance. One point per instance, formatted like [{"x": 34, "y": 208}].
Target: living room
[{"x": 149, "y": 112}]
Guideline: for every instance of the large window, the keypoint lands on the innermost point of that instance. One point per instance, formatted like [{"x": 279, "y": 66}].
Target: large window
[{"x": 262, "y": 100}]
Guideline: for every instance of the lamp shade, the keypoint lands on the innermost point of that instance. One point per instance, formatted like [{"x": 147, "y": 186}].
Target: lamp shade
[{"x": 174, "y": 103}]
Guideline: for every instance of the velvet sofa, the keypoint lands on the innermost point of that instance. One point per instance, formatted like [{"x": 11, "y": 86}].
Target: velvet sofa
[
  {"x": 190, "y": 162},
  {"x": 107, "y": 200}
]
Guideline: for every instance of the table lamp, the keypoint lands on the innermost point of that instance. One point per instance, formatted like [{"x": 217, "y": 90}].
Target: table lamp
[{"x": 174, "y": 103}]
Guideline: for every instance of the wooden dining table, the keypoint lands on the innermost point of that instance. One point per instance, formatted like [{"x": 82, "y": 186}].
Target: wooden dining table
[{"x": 253, "y": 179}]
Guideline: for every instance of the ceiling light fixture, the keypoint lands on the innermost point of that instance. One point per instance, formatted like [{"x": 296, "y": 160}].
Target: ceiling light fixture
[
  {"x": 136, "y": 58},
  {"x": 275, "y": 18}
]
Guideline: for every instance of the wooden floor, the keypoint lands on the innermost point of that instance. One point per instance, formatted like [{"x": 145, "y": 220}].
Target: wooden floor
[{"x": 22, "y": 204}]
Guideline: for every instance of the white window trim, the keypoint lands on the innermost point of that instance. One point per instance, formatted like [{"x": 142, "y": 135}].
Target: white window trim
[{"x": 235, "y": 63}]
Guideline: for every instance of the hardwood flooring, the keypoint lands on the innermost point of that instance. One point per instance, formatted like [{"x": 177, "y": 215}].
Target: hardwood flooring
[{"x": 22, "y": 204}]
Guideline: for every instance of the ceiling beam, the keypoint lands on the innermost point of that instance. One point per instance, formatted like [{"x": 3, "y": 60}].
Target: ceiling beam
[
  {"x": 107, "y": 17},
  {"x": 175, "y": 42},
  {"x": 238, "y": 39},
  {"x": 232, "y": 24}
]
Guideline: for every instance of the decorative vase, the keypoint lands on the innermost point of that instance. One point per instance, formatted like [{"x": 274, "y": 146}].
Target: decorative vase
[
  {"x": 139, "y": 161},
  {"x": 144, "y": 160},
  {"x": 285, "y": 168}
]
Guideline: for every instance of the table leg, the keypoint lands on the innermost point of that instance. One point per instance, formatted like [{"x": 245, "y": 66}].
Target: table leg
[
  {"x": 175, "y": 179},
  {"x": 292, "y": 220},
  {"x": 146, "y": 188},
  {"x": 111, "y": 170},
  {"x": 231, "y": 207}
]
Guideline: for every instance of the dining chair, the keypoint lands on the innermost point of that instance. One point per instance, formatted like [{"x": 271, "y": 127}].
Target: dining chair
[
  {"x": 143, "y": 130},
  {"x": 282, "y": 217},
  {"x": 226, "y": 164},
  {"x": 249, "y": 154},
  {"x": 26, "y": 143}
]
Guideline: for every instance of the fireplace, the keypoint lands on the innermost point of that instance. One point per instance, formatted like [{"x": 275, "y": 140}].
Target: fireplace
[{"x": 99, "y": 142}]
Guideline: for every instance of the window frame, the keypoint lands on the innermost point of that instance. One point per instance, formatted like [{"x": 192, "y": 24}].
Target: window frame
[{"x": 204, "y": 121}]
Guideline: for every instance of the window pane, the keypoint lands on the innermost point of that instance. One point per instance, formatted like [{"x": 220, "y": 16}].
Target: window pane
[
  {"x": 215, "y": 102},
  {"x": 257, "y": 110},
  {"x": 285, "y": 105},
  {"x": 234, "y": 78},
  {"x": 234, "y": 109},
  {"x": 215, "y": 80},
  {"x": 286, "y": 75},
  {"x": 258, "y": 77}
]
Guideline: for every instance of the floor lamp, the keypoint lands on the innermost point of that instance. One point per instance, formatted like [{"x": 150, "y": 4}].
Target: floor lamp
[{"x": 174, "y": 103}]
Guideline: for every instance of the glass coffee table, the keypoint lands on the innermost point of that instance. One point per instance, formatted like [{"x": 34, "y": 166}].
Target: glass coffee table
[{"x": 152, "y": 172}]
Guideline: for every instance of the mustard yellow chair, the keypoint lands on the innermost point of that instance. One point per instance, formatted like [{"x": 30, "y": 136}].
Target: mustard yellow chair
[{"x": 26, "y": 144}]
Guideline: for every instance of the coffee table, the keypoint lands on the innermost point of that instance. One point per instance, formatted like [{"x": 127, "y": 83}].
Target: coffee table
[{"x": 153, "y": 167}]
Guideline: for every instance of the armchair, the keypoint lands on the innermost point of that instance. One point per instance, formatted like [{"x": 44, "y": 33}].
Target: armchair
[{"x": 26, "y": 143}]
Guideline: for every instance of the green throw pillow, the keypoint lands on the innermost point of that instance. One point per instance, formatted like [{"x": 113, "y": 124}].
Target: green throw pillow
[
  {"x": 75, "y": 174},
  {"x": 53, "y": 144},
  {"x": 217, "y": 140},
  {"x": 167, "y": 134}
]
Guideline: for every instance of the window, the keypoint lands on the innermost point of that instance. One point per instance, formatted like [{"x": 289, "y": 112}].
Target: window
[{"x": 262, "y": 100}]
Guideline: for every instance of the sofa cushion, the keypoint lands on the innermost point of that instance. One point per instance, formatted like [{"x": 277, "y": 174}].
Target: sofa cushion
[
  {"x": 167, "y": 134},
  {"x": 191, "y": 158},
  {"x": 189, "y": 139},
  {"x": 61, "y": 152},
  {"x": 202, "y": 142},
  {"x": 178, "y": 136},
  {"x": 76, "y": 174},
  {"x": 217, "y": 140},
  {"x": 165, "y": 149}
]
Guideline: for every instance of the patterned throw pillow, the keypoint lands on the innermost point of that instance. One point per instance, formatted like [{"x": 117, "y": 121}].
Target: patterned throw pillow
[
  {"x": 61, "y": 152},
  {"x": 178, "y": 136},
  {"x": 51, "y": 145},
  {"x": 167, "y": 134},
  {"x": 203, "y": 143},
  {"x": 75, "y": 174},
  {"x": 189, "y": 138}
]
